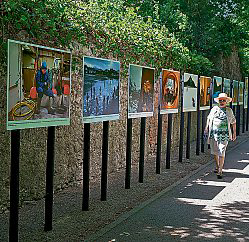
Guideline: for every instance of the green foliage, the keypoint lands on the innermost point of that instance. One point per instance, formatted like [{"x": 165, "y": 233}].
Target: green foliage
[
  {"x": 177, "y": 34},
  {"x": 207, "y": 27},
  {"x": 43, "y": 20},
  {"x": 116, "y": 28}
]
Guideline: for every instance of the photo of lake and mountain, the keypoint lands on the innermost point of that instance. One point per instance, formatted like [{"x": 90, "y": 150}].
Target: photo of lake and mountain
[
  {"x": 101, "y": 89},
  {"x": 190, "y": 92}
]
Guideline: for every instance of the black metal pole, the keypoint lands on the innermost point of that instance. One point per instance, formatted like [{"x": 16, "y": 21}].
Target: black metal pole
[
  {"x": 128, "y": 154},
  {"x": 238, "y": 120},
  {"x": 247, "y": 113},
  {"x": 169, "y": 132},
  {"x": 243, "y": 119},
  {"x": 142, "y": 144},
  {"x": 86, "y": 167},
  {"x": 247, "y": 117},
  {"x": 49, "y": 197},
  {"x": 231, "y": 93},
  {"x": 198, "y": 119},
  {"x": 243, "y": 111},
  {"x": 104, "y": 169},
  {"x": 202, "y": 130},
  {"x": 159, "y": 143},
  {"x": 14, "y": 186},
  {"x": 188, "y": 136},
  {"x": 181, "y": 123}
]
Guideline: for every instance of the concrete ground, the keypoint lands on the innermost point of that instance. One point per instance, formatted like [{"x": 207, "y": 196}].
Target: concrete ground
[
  {"x": 201, "y": 208},
  {"x": 185, "y": 203}
]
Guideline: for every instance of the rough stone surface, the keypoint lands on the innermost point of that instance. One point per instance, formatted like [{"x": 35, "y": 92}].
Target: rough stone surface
[{"x": 69, "y": 140}]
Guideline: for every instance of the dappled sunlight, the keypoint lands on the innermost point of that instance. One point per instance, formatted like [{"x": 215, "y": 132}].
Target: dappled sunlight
[
  {"x": 229, "y": 221},
  {"x": 205, "y": 208},
  {"x": 192, "y": 201},
  {"x": 243, "y": 161},
  {"x": 244, "y": 171},
  {"x": 212, "y": 183}
]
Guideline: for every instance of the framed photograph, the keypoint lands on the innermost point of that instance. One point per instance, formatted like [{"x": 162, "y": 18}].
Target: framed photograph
[
  {"x": 190, "y": 92},
  {"x": 170, "y": 86},
  {"x": 38, "y": 86},
  {"x": 101, "y": 79},
  {"x": 246, "y": 93},
  {"x": 227, "y": 86},
  {"x": 217, "y": 88},
  {"x": 235, "y": 92},
  {"x": 141, "y": 91},
  {"x": 241, "y": 92},
  {"x": 205, "y": 83}
]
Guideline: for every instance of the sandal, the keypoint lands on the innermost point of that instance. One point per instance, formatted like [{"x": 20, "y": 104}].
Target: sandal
[
  {"x": 219, "y": 175},
  {"x": 216, "y": 170}
]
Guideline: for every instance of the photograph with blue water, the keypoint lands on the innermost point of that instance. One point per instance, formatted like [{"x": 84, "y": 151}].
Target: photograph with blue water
[{"x": 101, "y": 89}]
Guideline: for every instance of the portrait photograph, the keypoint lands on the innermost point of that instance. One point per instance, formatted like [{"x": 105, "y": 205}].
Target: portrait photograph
[{"x": 170, "y": 86}]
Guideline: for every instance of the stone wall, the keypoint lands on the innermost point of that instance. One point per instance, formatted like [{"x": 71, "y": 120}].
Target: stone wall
[{"x": 69, "y": 142}]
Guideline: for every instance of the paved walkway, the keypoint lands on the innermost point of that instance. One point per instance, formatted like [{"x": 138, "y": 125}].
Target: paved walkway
[{"x": 201, "y": 208}]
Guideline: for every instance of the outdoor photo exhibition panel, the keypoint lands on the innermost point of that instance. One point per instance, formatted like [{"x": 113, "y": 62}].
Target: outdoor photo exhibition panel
[
  {"x": 235, "y": 92},
  {"x": 205, "y": 83},
  {"x": 241, "y": 92},
  {"x": 141, "y": 91},
  {"x": 170, "y": 85},
  {"x": 190, "y": 92},
  {"x": 227, "y": 86},
  {"x": 246, "y": 93},
  {"x": 38, "y": 86},
  {"x": 100, "y": 89},
  {"x": 217, "y": 88}
]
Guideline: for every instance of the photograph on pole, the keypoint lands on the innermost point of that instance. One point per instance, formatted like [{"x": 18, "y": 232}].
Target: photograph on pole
[
  {"x": 246, "y": 93},
  {"x": 38, "y": 86},
  {"x": 227, "y": 86},
  {"x": 217, "y": 88},
  {"x": 170, "y": 86},
  {"x": 141, "y": 91},
  {"x": 190, "y": 92},
  {"x": 100, "y": 89},
  {"x": 235, "y": 92},
  {"x": 205, "y": 83},
  {"x": 241, "y": 92}
]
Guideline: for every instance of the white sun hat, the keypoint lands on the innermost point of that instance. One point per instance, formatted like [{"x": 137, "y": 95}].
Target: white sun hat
[{"x": 223, "y": 96}]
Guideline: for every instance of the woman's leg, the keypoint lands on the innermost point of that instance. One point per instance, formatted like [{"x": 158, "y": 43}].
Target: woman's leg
[
  {"x": 221, "y": 163},
  {"x": 216, "y": 157}
]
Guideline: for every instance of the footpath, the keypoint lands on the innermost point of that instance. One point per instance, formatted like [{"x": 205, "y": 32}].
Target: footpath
[
  {"x": 184, "y": 203},
  {"x": 200, "y": 208}
]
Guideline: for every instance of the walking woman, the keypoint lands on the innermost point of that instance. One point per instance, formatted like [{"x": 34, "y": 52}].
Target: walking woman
[{"x": 218, "y": 127}]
